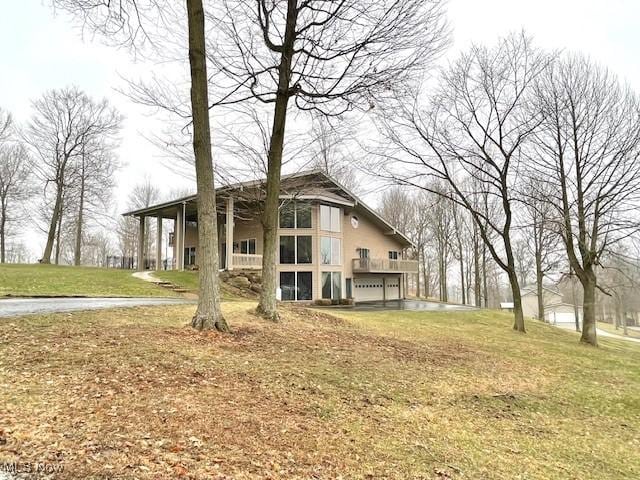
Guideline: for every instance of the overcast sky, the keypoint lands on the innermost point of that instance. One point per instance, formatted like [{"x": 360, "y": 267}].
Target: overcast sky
[{"x": 42, "y": 50}]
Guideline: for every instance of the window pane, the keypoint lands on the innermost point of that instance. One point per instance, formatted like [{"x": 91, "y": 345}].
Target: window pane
[
  {"x": 304, "y": 249},
  {"x": 326, "y": 285},
  {"x": 335, "y": 251},
  {"x": 337, "y": 284},
  {"x": 325, "y": 250},
  {"x": 287, "y": 249},
  {"x": 393, "y": 255},
  {"x": 286, "y": 215},
  {"x": 244, "y": 245},
  {"x": 304, "y": 286},
  {"x": 335, "y": 219},
  {"x": 303, "y": 215},
  {"x": 325, "y": 217},
  {"x": 364, "y": 253},
  {"x": 288, "y": 285},
  {"x": 252, "y": 246}
]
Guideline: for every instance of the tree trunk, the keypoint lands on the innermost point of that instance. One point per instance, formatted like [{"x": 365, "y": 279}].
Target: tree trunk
[
  {"x": 589, "y": 310},
  {"x": 476, "y": 268},
  {"x": 518, "y": 322},
  {"x": 625, "y": 332},
  {"x": 3, "y": 223},
  {"x": 78, "y": 254},
  {"x": 485, "y": 286},
  {"x": 59, "y": 231},
  {"x": 51, "y": 234},
  {"x": 267, "y": 305},
  {"x": 539, "y": 284},
  {"x": 208, "y": 316},
  {"x": 418, "y": 289},
  {"x": 464, "y": 294}
]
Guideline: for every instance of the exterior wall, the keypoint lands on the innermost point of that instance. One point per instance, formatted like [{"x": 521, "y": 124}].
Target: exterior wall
[
  {"x": 367, "y": 235},
  {"x": 530, "y": 302}
]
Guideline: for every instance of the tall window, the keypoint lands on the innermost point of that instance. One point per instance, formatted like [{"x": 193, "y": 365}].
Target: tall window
[
  {"x": 331, "y": 285},
  {"x": 189, "y": 256},
  {"x": 295, "y": 215},
  {"x": 330, "y": 251},
  {"x": 295, "y": 249},
  {"x": 329, "y": 218},
  {"x": 363, "y": 252},
  {"x": 296, "y": 285}
]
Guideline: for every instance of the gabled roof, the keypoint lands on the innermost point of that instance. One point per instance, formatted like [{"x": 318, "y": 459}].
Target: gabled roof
[
  {"x": 338, "y": 194},
  {"x": 533, "y": 289}
]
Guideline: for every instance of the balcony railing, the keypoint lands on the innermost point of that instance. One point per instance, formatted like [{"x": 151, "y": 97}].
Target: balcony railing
[
  {"x": 383, "y": 265},
  {"x": 247, "y": 261}
]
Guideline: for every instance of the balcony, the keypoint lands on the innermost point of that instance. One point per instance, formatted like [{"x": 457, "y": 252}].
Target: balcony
[
  {"x": 383, "y": 265},
  {"x": 244, "y": 261}
]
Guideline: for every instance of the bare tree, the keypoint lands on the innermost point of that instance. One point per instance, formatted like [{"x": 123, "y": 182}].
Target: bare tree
[
  {"x": 64, "y": 121},
  {"x": 471, "y": 139},
  {"x": 588, "y": 146},
  {"x": 328, "y": 57},
  {"x": 15, "y": 189}
]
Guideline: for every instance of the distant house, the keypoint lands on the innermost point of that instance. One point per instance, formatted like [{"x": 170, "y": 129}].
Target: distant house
[
  {"x": 556, "y": 310},
  {"x": 331, "y": 245}
]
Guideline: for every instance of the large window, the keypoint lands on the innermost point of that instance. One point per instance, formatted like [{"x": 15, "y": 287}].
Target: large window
[
  {"x": 393, "y": 255},
  {"x": 330, "y": 251},
  {"x": 329, "y": 218},
  {"x": 245, "y": 246},
  {"x": 296, "y": 285},
  {"x": 295, "y": 249},
  {"x": 295, "y": 215},
  {"x": 331, "y": 285}
]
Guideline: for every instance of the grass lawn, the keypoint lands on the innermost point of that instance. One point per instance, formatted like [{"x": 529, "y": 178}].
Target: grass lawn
[
  {"x": 612, "y": 329},
  {"x": 55, "y": 280},
  {"x": 137, "y": 394}
]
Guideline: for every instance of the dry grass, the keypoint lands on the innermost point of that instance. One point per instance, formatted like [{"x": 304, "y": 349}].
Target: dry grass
[{"x": 137, "y": 394}]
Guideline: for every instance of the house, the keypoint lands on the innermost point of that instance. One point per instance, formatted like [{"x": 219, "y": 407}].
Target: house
[
  {"x": 331, "y": 244},
  {"x": 556, "y": 310}
]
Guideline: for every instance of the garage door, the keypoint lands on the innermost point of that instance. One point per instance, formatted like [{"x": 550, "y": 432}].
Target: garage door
[
  {"x": 393, "y": 288},
  {"x": 367, "y": 289}
]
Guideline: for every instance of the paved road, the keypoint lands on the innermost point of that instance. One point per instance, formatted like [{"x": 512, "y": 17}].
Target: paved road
[
  {"x": 600, "y": 332},
  {"x": 13, "y": 307},
  {"x": 414, "y": 305}
]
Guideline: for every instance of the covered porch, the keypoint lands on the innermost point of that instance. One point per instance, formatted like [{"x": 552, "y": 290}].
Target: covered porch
[{"x": 245, "y": 253}]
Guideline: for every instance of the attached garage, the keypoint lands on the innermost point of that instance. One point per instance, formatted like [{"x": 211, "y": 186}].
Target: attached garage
[
  {"x": 562, "y": 314},
  {"x": 369, "y": 289},
  {"x": 372, "y": 289},
  {"x": 392, "y": 288}
]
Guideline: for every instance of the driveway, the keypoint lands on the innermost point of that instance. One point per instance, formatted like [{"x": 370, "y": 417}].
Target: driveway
[
  {"x": 599, "y": 332},
  {"x": 13, "y": 307},
  {"x": 412, "y": 305}
]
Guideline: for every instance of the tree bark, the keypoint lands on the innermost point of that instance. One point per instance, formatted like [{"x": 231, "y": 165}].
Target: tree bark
[
  {"x": 51, "y": 234},
  {"x": 59, "y": 230},
  {"x": 539, "y": 284},
  {"x": 3, "y": 224},
  {"x": 78, "y": 252},
  {"x": 209, "y": 314},
  {"x": 589, "y": 310},
  {"x": 267, "y": 307}
]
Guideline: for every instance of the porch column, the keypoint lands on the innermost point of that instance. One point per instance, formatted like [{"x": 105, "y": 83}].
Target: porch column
[
  {"x": 141, "y": 235},
  {"x": 229, "y": 233},
  {"x": 178, "y": 236},
  {"x": 159, "y": 245}
]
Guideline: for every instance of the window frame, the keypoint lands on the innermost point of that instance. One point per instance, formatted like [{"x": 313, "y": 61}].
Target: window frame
[
  {"x": 394, "y": 255},
  {"x": 295, "y": 250},
  {"x": 332, "y": 242},
  {"x": 296, "y": 282},
  {"x": 248, "y": 242},
  {"x": 294, "y": 207},
  {"x": 330, "y": 218},
  {"x": 332, "y": 285}
]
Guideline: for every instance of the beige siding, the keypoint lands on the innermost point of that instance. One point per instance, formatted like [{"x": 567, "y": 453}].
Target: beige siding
[{"x": 367, "y": 235}]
